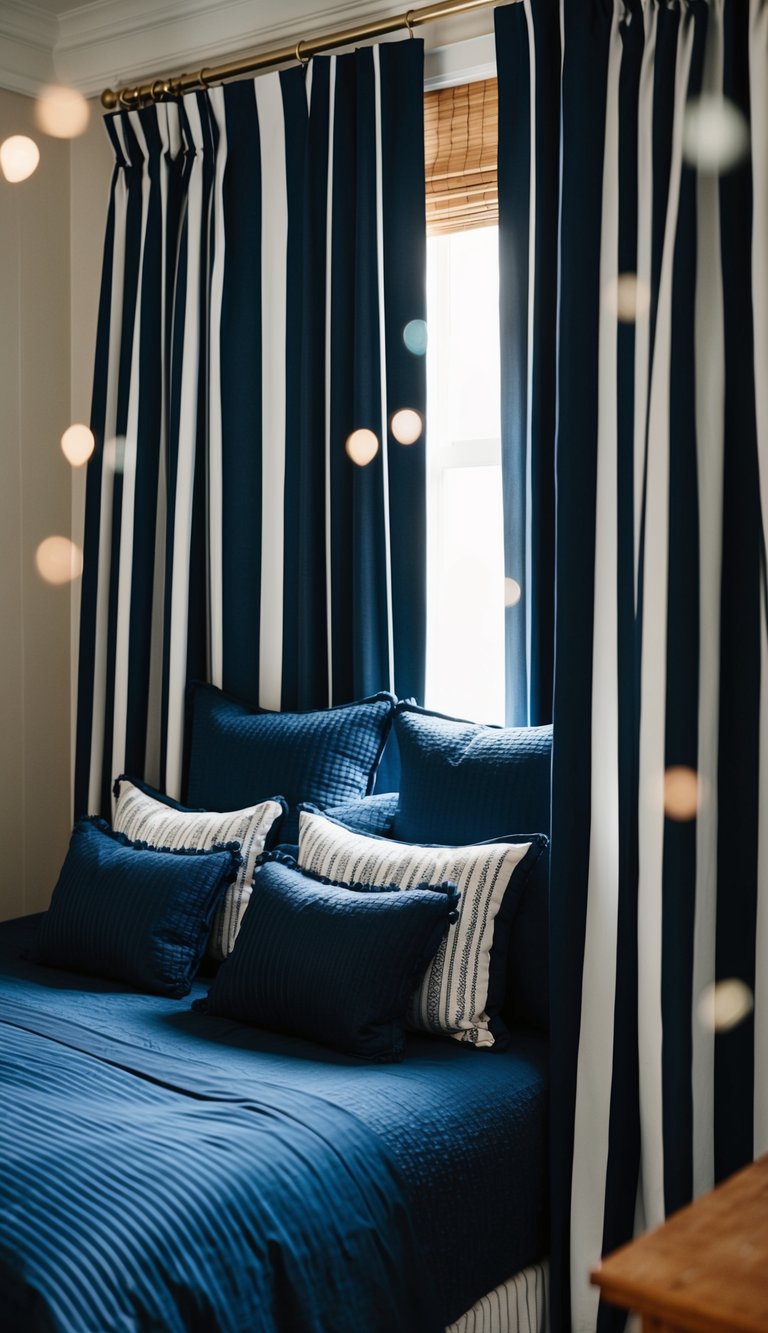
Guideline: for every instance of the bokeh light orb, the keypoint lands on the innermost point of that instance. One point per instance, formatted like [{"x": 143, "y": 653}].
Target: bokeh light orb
[
  {"x": 62, "y": 112},
  {"x": 58, "y": 560},
  {"x": 415, "y": 337},
  {"x": 19, "y": 157},
  {"x": 682, "y": 791},
  {"x": 512, "y": 592},
  {"x": 715, "y": 134},
  {"x": 724, "y": 1005},
  {"x": 77, "y": 444},
  {"x": 627, "y": 297},
  {"x": 362, "y": 446},
  {"x": 407, "y": 425}
]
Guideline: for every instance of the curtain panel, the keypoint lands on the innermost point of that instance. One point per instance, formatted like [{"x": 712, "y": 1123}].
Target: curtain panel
[
  {"x": 528, "y": 62},
  {"x": 265, "y": 249},
  {"x": 660, "y": 768}
]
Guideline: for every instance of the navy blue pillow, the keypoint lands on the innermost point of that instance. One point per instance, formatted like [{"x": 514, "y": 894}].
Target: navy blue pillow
[
  {"x": 132, "y": 913},
  {"x": 369, "y": 814},
  {"x": 328, "y": 963},
  {"x": 238, "y": 755},
  {"x": 464, "y": 782}
]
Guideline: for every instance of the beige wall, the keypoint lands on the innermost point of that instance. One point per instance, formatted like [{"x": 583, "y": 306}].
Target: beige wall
[{"x": 34, "y": 503}]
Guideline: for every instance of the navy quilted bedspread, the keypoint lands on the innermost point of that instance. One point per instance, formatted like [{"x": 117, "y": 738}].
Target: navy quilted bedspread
[{"x": 163, "y": 1170}]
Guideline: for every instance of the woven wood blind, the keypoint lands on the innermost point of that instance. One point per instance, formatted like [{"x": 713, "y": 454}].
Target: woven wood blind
[{"x": 461, "y": 135}]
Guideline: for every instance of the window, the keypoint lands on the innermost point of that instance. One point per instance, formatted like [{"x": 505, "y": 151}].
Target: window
[
  {"x": 465, "y": 556},
  {"x": 465, "y": 550}
]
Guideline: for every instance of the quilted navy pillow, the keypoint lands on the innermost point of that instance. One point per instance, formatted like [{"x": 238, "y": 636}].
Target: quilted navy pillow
[
  {"x": 369, "y": 814},
  {"x": 464, "y": 782},
  {"x": 143, "y": 814},
  {"x": 132, "y": 913},
  {"x": 463, "y": 990},
  {"x": 328, "y": 963},
  {"x": 238, "y": 755}
]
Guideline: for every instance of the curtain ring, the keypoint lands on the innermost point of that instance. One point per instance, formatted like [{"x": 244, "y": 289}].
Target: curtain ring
[
  {"x": 301, "y": 59},
  {"x": 124, "y": 100},
  {"x": 158, "y": 90},
  {"x": 409, "y": 22},
  {"x": 202, "y": 77}
]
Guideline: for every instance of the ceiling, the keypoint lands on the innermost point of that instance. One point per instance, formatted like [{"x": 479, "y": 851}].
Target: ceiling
[{"x": 113, "y": 42}]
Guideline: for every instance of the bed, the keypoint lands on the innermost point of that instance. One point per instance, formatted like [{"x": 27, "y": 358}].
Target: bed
[{"x": 170, "y": 1169}]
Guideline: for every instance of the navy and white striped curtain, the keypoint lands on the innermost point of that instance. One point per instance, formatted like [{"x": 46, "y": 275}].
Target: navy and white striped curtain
[
  {"x": 265, "y": 250},
  {"x": 528, "y": 175},
  {"x": 659, "y": 887}
]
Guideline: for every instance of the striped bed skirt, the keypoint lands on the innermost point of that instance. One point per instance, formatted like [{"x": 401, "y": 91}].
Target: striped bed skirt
[{"x": 519, "y": 1305}]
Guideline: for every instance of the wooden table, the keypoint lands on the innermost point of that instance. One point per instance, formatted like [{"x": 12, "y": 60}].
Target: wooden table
[{"x": 706, "y": 1269}]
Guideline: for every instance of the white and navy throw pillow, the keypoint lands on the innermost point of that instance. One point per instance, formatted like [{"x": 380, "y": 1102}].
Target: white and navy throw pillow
[
  {"x": 458, "y": 996},
  {"x": 149, "y": 817}
]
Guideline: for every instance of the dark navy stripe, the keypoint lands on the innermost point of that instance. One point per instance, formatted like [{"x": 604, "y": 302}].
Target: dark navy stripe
[
  {"x": 300, "y": 325},
  {"x": 241, "y": 394},
  {"x": 134, "y": 173},
  {"x": 624, "y": 1132},
  {"x": 306, "y": 681},
  {"x": 343, "y": 409},
  {"x": 368, "y": 638},
  {"x": 197, "y": 593},
  {"x": 405, "y": 299},
  {"x": 583, "y": 120},
  {"x": 682, "y": 671},
  {"x": 151, "y": 351},
  {"x": 738, "y": 774}
]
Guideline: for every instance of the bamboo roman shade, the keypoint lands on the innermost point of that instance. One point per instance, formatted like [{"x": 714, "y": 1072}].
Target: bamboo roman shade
[{"x": 461, "y": 133}]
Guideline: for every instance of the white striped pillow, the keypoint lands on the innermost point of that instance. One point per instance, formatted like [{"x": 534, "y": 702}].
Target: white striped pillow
[
  {"x": 453, "y": 995},
  {"x": 146, "y": 818}
]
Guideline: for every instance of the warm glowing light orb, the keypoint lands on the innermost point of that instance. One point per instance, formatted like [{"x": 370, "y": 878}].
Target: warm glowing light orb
[
  {"x": 62, "y": 112},
  {"x": 715, "y": 134},
  {"x": 415, "y": 336},
  {"x": 19, "y": 157},
  {"x": 58, "y": 560},
  {"x": 362, "y": 446},
  {"x": 681, "y": 792},
  {"x": 512, "y": 592},
  {"x": 407, "y": 425},
  {"x": 627, "y": 297},
  {"x": 724, "y": 1004},
  {"x": 77, "y": 444}
]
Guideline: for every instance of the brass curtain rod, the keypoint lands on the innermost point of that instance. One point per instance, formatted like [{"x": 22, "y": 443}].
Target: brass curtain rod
[{"x": 177, "y": 85}]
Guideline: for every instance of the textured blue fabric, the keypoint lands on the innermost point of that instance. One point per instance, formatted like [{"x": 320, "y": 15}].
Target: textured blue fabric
[
  {"x": 463, "y": 782},
  {"x": 143, "y": 1192},
  {"x": 238, "y": 755},
  {"x": 370, "y": 814},
  {"x": 466, "y": 1135},
  {"x": 328, "y": 963},
  {"x": 124, "y": 910}
]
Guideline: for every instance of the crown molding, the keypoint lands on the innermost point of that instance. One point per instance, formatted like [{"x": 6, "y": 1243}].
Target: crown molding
[
  {"x": 115, "y": 42},
  {"x": 28, "y": 36}
]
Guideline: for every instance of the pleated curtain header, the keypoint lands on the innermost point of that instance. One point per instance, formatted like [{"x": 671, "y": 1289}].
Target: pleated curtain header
[{"x": 461, "y": 131}]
